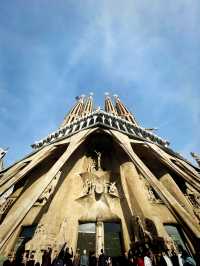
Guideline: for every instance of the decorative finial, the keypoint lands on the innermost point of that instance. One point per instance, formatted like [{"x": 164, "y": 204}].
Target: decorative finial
[
  {"x": 196, "y": 157},
  {"x": 2, "y": 154},
  {"x": 79, "y": 98},
  {"x": 91, "y": 94},
  {"x": 107, "y": 94},
  {"x": 98, "y": 108},
  {"x": 116, "y": 96}
]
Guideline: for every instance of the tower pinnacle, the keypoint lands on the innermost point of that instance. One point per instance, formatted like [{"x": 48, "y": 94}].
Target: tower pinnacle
[
  {"x": 75, "y": 111},
  {"x": 88, "y": 106},
  {"x": 123, "y": 111},
  {"x": 109, "y": 107}
]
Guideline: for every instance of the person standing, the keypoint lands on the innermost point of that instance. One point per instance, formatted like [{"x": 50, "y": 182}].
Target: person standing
[
  {"x": 84, "y": 259},
  {"x": 109, "y": 261},
  {"x": 102, "y": 259},
  {"x": 174, "y": 258},
  {"x": 76, "y": 261},
  {"x": 57, "y": 261},
  {"x": 8, "y": 261},
  {"x": 92, "y": 259},
  {"x": 139, "y": 261},
  {"x": 68, "y": 257},
  {"x": 147, "y": 260},
  {"x": 167, "y": 258},
  {"x": 125, "y": 260}
]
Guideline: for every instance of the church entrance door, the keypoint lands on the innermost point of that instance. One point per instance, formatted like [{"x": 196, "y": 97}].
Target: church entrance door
[
  {"x": 86, "y": 237},
  {"x": 112, "y": 239},
  {"x": 100, "y": 235}
]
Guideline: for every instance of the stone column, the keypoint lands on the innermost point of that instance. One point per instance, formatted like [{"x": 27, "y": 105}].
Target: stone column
[
  {"x": 137, "y": 192},
  {"x": 173, "y": 188},
  {"x": 99, "y": 237}
]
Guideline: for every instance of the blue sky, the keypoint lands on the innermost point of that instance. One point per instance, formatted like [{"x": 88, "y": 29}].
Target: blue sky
[{"x": 147, "y": 52}]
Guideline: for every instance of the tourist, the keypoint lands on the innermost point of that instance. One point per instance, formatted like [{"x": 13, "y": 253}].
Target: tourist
[
  {"x": 92, "y": 259},
  {"x": 57, "y": 261},
  {"x": 139, "y": 261},
  {"x": 130, "y": 253},
  {"x": 8, "y": 262},
  {"x": 68, "y": 257},
  {"x": 46, "y": 257},
  {"x": 125, "y": 260},
  {"x": 102, "y": 259},
  {"x": 76, "y": 261},
  {"x": 167, "y": 258},
  {"x": 147, "y": 260},
  {"x": 84, "y": 261},
  {"x": 174, "y": 258},
  {"x": 187, "y": 259},
  {"x": 109, "y": 261}
]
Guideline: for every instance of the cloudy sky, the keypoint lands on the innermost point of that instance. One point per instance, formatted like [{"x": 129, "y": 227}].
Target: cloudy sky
[{"x": 147, "y": 52}]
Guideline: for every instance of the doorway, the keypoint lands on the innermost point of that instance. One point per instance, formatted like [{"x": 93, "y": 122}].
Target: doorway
[
  {"x": 100, "y": 235},
  {"x": 112, "y": 239},
  {"x": 86, "y": 237}
]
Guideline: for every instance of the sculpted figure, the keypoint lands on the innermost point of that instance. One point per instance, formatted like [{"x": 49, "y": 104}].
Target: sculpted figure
[
  {"x": 85, "y": 187},
  {"x": 2, "y": 154},
  {"x": 113, "y": 188},
  {"x": 143, "y": 233},
  {"x": 91, "y": 165},
  {"x": 151, "y": 195},
  {"x": 194, "y": 197},
  {"x": 98, "y": 153},
  {"x": 48, "y": 191},
  {"x": 197, "y": 199},
  {"x": 197, "y": 213}
]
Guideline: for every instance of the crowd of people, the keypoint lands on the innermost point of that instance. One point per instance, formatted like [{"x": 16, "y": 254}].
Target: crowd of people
[{"x": 141, "y": 256}]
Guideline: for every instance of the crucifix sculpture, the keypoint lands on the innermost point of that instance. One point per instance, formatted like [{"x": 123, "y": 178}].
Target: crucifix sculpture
[{"x": 98, "y": 153}]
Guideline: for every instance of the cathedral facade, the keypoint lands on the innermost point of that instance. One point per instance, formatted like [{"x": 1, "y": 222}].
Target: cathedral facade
[{"x": 99, "y": 181}]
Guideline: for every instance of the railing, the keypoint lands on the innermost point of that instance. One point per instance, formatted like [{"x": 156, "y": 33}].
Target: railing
[{"x": 100, "y": 118}]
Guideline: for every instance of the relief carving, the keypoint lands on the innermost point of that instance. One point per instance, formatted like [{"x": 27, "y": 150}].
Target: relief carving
[
  {"x": 99, "y": 186},
  {"x": 194, "y": 199},
  {"x": 94, "y": 162},
  {"x": 42, "y": 200},
  {"x": 152, "y": 196}
]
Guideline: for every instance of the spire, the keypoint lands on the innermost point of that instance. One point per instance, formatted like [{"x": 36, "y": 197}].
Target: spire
[
  {"x": 88, "y": 106},
  {"x": 123, "y": 111},
  {"x": 75, "y": 111},
  {"x": 196, "y": 157},
  {"x": 109, "y": 108}
]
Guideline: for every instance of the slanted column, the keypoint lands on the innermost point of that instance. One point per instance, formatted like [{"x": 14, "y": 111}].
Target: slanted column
[
  {"x": 173, "y": 188},
  {"x": 136, "y": 189}
]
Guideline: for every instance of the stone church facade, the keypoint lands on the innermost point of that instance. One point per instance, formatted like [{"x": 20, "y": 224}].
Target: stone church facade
[{"x": 99, "y": 179}]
